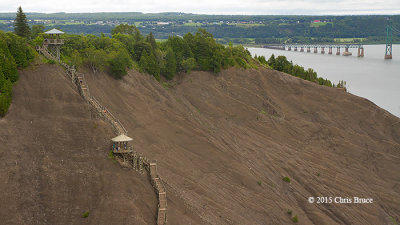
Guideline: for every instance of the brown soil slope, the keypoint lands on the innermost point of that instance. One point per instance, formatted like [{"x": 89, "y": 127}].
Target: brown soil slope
[
  {"x": 217, "y": 137},
  {"x": 53, "y": 160}
]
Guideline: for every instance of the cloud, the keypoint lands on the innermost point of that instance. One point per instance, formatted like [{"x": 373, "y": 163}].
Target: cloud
[{"x": 291, "y": 7}]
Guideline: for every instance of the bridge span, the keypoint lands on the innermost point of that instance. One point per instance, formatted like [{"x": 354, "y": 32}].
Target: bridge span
[{"x": 322, "y": 47}]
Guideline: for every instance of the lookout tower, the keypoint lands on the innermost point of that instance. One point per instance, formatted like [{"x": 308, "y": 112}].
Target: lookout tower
[
  {"x": 120, "y": 144},
  {"x": 54, "y": 42}
]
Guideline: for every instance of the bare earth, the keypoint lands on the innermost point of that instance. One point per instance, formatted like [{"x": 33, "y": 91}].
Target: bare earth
[
  {"x": 53, "y": 160},
  {"x": 223, "y": 144}
]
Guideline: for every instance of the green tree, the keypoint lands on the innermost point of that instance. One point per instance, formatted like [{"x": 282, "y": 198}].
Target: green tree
[
  {"x": 153, "y": 67},
  {"x": 119, "y": 62},
  {"x": 124, "y": 29},
  {"x": 21, "y": 26},
  {"x": 188, "y": 64},
  {"x": 5, "y": 94},
  {"x": 95, "y": 59},
  {"x": 36, "y": 30},
  {"x": 151, "y": 40},
  {"x": 8, "y": 67},
  {"x": 170, "y": 65},
  {"x": 143, "y": 61}
]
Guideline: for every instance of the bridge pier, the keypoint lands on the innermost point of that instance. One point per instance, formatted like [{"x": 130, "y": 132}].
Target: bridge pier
[
  {"x": 338, "y": 51},
  {"x": 308, "y": 49},
  {"x": 302, "y": 49},
  {"x": 360, "y": 52},
  {"x": 295, "y": 48},
  {"x": 315, "y": 50},
  {"x": 322, "y": 50},
  {"x": 330, "y": 50}
]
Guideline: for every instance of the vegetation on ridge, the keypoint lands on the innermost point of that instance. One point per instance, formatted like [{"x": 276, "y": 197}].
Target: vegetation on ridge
[
  {"x": 128, "y": 48},
  {"x": 281, "y": 63},
  {"x": 14, "y": 53}
]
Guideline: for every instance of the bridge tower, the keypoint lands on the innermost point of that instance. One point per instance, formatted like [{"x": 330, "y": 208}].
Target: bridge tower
[{"x": 388, "y": 52}]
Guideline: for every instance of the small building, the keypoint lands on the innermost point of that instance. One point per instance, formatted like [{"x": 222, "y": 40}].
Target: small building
[
  {"x": 55, "y": 36},
  {"x": 120, "y": 144},
  {"x": 53, "y": 42}
]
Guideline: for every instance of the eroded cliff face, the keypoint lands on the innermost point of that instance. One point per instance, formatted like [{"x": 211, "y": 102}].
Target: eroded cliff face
[
  {"x": 224, "y": 142},
  {"x": 54, "y": 164}
]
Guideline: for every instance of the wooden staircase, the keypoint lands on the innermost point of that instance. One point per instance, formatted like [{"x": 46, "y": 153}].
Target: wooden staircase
[{"x": 137, "y": 161}]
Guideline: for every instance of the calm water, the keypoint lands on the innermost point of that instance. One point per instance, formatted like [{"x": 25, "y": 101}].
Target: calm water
[{"x": 370, "y": 77}]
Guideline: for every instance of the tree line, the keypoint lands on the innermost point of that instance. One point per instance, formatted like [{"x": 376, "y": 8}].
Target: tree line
[
  {"x": 15, "y": 53},
  {"x": 281, "y": 63},
  {"x": 128, "y": 48}
]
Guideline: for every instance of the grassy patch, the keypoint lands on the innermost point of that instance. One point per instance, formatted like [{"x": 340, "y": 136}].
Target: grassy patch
[
  {"x": 319, "y": 24},
  {"x": 166, "y": 85},
  {"x": 193, "y": 24},
  {"x": 85, "y": 214},
  {"x": 348, "y": 40},
  {"x": 295, "y": 219},
  {"x": 393, "y": 220},
  {"x": 249, "y": 24},
  {"x": 111, "y": 155},
  {"x": 286, "y": 179},
  {"x": 51, "y": 61}
]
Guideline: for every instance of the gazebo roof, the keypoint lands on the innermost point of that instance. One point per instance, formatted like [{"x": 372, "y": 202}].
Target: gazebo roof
[
  {"x": 54, "y": 31},
  {"x": 121, "y": 138}
]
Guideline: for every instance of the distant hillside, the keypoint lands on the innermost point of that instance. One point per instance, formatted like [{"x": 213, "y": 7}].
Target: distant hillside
[{"x": 255, "y": 29}]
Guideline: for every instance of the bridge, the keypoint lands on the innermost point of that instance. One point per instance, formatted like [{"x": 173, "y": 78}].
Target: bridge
[
  {"x": 322, "y": 48},
  {"x": 390, "y": 30}
]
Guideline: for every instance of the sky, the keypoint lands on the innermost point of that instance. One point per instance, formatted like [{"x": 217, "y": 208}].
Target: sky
[{"x": 226, "y": 7}]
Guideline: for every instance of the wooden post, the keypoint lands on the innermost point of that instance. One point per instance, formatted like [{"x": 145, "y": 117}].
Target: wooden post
[
  {"x": 135, "y": 161},
  {"x": 153, "y": 170},
  {"x": 162, "y": 217}
]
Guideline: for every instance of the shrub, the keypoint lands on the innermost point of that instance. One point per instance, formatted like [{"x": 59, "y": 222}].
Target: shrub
[
  {"x": 295, "y": 219},
  {"x": 286, "y": 179},
  {"x": 111, "y": 155},
  {"x": 289, "y": 212},
  {"x": 259, "y": 182},
  {"x": 85, "y": 214}
]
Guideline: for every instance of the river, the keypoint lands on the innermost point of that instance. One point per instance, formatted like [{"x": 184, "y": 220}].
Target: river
[{"x": 371, "y": 76}]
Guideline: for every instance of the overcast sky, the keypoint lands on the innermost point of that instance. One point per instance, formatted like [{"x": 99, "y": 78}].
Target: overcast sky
[{"x": 259, "y": 7}]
